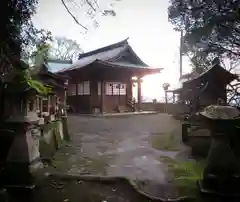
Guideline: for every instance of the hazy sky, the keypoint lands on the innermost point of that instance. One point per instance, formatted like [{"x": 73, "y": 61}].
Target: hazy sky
[{"x": 144, "y": 22}]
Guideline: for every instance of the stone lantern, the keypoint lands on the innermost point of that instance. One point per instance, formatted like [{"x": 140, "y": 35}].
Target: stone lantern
[
  {"x": 23, "y": 158},
  {"x": 221, "y": 174}
]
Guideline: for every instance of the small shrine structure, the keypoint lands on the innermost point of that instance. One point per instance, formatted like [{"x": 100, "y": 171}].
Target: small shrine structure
[
  {"x": 208, "y": 88},
  {"x": 50, "y": 105}
]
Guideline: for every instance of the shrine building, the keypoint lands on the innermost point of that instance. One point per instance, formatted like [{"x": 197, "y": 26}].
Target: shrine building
[{"x": 101, "y": 81}]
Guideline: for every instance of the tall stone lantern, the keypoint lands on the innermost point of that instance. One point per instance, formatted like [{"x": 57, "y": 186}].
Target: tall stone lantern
[
  {"x": 23, "y": 159},
  {"x": 221, "y": 175}
]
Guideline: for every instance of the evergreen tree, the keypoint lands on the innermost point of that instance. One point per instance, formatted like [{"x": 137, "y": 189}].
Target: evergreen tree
[{"x": 212, "y": 27}]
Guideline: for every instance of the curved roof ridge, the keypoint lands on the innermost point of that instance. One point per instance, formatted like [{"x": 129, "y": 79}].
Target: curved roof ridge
[
  {"x": 134, "y": 53},
  {"x": 105, "y": 48},
  {"x": 127, "y": 47},
  {"x": 120, "y": 54}
]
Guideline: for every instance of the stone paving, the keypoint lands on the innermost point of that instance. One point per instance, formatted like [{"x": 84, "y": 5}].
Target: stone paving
[{"x": 118, "y": 146}]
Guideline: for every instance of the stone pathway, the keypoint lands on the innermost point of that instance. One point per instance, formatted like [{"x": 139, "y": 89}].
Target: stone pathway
[{"x": 119, "y": 146}]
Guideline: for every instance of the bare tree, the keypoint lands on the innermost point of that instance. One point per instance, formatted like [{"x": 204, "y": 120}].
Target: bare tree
[
  {"x": 233, "y": 89},
  {"x": 64, "y": 49},
  {"x": 87, "y": 13}
]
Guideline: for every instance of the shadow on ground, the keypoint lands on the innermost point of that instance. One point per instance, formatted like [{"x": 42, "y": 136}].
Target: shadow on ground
[{"x": 55, "y": 190}]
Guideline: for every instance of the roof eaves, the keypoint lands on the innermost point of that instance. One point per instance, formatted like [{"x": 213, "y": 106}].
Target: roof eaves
[
  {"x": 67, "y": 69},
  {"x": 119, "y": 65},
  {"x": 59, "y": 61},
  {"x": 174, "y": 90}
]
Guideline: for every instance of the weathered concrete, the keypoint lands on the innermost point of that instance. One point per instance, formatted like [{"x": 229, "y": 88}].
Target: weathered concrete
[{"x": 118, "y": 146}]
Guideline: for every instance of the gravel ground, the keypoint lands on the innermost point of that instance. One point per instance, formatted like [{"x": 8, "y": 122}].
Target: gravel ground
[{"x": 121, "y": 146}]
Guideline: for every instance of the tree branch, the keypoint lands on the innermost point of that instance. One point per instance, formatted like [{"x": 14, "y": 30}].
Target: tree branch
[
  {"x": 88, "y": 2},
  {"x": 74, "y": 18}
]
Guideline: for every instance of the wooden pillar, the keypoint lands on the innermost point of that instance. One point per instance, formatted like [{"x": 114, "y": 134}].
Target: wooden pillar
[
  {"x": 166, "y": 102},
  {"x": 129, "y": 95},
  {"x": 41, "y": 106},
  {"x": 65, "y": 100},
  {"x": 94, "y": 99},
  {"x": 65, "y": 96},
  {"x": 49, "y": 104},
  {"x": 102, "y": 95},
  {"x": 139, "y": 93}
]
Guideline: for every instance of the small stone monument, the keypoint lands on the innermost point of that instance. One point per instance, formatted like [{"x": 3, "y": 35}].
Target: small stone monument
[{"x": 221, "y": 175}]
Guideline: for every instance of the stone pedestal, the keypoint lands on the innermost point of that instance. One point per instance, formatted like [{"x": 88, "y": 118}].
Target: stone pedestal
[{"x": 23, "y": 159}]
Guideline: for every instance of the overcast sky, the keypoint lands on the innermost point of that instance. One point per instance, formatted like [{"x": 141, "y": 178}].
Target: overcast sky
[{"x": 144, "y": 22}]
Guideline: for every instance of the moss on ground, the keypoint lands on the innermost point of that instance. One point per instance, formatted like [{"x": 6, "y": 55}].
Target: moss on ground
[
  {"x": 163, "y": 141},
  {"x": 184, "y": 175}
]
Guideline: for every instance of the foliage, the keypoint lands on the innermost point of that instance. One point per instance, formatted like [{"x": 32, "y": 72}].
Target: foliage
[
  {"x": 41, "y": 54},
  {"x": 64, "y": 49},
  {"x": 184, "y": 174},
  {"x": 15, "y": 25},
  {"x": 18, "y": 36},
  {"x": 23, "y": 78},
  {"x": 38, "y": 86},
  {"x": 212, "y": 28},
  {"x": 38, "y": 46}
]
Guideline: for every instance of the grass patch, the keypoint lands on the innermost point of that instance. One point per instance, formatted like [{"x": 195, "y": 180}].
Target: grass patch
[
  {"x": 184, "y": 175},
  {"x": 162, "y": 141}
]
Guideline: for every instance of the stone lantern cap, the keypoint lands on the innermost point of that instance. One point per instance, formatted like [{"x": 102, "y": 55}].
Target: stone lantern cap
[{"x": 219, "y": 112}]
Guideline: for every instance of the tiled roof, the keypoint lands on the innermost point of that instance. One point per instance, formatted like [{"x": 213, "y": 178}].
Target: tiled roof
[
  {"x": 104, "y": 49},
  {"x": 90, "y": 59},
  {"x": 109, "y": 54},
  {"x": 56, "y": 66},
  {"x": 215, "y": 71}
]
